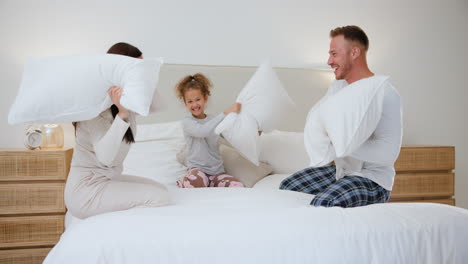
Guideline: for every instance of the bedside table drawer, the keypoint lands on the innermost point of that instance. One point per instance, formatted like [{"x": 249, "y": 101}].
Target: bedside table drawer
[
  {"x": 426, "y": 159},
  {"x": 426, "y": 184},
  {"x": 448, "y": 201},
  {"x": 30, "y": 165},
  {"x": 28, "y": 231},
  {"x": 23, "y": 256},
  {"x": 29, "y": 198}
]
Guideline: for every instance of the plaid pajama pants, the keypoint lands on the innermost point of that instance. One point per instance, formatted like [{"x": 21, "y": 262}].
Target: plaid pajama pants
[{"x": 350, "y": 191}]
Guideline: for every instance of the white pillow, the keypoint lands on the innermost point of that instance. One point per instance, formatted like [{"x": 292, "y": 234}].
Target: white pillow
[
  {"x": 159, "y": 131},
  {"x": 316, "y": 140},
  {"x": 74, "y": 88},
  {"x": 265, "y": 104},
  {"x": 345, "y": 120},
  {"x": 284, "y": 151},
  {"x": 155, "y": 160},
  {"x": 241, "y": 131},
  {"x": 349, "y": 129},
  {"x": 265, "y": 99}
]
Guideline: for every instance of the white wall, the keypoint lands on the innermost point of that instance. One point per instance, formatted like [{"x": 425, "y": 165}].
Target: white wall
[{"x": 421, "y": 44}]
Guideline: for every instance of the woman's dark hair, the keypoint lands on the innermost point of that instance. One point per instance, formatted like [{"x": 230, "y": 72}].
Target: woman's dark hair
[{"x": 125, "y": 49}]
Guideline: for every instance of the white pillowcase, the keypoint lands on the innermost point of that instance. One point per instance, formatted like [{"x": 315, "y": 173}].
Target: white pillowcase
[
  {"x": 340, "y": 123},
  {"x": 241, "y": 131},
  {"x": 349, "y": 129},
  {"x": 153, "y": 155},
  {"x": 284, "y": 151},
  {"x": 159, "y": 131},
  {"x": 74, "y": 88},
  {"x": 155, "y": 160},
  {"x": 265, "y": 99},
  {"x": 265, "y": 103}
]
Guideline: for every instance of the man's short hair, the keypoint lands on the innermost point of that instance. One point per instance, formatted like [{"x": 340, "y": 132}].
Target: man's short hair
[{"x": 352, "y": 33}]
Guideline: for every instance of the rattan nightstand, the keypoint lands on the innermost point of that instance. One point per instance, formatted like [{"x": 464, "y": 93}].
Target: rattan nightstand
[
  {"x": 32, "y": 208},
  {"x": 425, "y": 174}
]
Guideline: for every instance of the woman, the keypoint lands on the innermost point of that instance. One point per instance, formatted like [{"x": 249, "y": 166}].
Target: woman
[{"x": 95, "y": 183}]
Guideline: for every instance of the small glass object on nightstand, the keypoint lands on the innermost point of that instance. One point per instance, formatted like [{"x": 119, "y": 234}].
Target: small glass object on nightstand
[{"x": 52, "y": 136}]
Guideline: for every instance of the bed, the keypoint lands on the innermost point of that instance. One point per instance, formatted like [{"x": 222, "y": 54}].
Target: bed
[
  {"x": 256, "y": 225},
  {"x": 266, "y": 226},
  {"x": 260, "y": 224}
]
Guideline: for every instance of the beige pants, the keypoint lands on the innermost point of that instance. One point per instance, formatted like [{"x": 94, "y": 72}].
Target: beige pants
[{"x": 90, "y": 195}]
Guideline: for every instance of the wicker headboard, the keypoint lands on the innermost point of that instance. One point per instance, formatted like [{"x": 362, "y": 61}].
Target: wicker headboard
[{"x": 305, "y": 86}]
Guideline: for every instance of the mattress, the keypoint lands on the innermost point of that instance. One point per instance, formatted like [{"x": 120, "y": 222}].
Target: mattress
[{"x": 255, "y": 225}]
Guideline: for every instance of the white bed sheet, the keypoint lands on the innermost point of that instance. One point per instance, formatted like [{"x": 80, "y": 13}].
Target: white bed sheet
[{"x": 241, "y": 225}]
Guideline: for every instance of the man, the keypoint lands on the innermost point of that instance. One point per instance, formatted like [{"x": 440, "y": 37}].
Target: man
[{"x": 366, "y": 176}]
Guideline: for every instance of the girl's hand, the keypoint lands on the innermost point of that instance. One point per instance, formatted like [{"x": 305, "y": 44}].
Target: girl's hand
[
  {"x": 234, "y": 108},
  {"x": 115, "y": 93}
]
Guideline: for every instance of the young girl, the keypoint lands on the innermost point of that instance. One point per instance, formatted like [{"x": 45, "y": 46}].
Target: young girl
[
  {"x": 204, "y": 162},
  {"x": 95, "y": 183}
]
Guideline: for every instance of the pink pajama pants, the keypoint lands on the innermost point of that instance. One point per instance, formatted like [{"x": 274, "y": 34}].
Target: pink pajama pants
[{"x": 196, "y": 178}]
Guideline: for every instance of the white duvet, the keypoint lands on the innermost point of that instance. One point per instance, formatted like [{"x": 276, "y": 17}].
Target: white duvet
[{"x": 222, "y": 225}]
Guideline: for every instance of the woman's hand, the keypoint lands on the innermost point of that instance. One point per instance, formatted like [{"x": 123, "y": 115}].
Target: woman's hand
[
  {"x": 234, "y": 108},
  {"x": 115, "y": 93}
]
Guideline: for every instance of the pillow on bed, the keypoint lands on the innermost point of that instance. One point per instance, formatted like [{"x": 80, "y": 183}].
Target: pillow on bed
[
  {"x": 284, "y": 151},
  {"x": 242, "y": 169},
  {"x": 156, "y": 160},
  {"x": 345, "y": 120},
  {"x": 265, "y": 104},
  {"x": 153, "y": 155},
  {"x": 74, "y": 88},
  {"x": 159, "y": 131}
]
